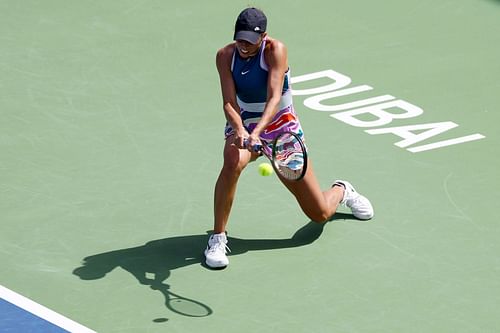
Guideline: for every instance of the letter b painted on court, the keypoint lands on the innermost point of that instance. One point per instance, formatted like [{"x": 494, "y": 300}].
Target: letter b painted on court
[{"x": 382, "y": 117}]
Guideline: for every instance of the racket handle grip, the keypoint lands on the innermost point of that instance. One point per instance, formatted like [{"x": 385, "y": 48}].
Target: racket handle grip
[{"x": 256, "y": 148}]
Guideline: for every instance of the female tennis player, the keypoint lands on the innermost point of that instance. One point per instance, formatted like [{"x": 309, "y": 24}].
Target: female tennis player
[{"x": 257, "y": 103}]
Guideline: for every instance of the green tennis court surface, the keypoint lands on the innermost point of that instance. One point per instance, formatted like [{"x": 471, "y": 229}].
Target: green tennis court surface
[{"x": 111, "y": 141}]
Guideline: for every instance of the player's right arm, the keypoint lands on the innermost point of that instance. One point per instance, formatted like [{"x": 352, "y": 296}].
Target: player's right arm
[{"x": 231, "y": 109}]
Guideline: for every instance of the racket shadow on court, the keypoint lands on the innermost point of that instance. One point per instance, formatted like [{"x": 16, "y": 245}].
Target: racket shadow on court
[{"x": 152, "y": 263}]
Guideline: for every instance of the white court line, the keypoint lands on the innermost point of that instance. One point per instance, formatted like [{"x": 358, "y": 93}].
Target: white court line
[{"x": 42, "y": 312}]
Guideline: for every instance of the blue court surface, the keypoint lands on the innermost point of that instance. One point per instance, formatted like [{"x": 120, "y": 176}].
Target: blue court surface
[
  {"x": 13, "y": 319},
  {"x": 19, "y": 314}
]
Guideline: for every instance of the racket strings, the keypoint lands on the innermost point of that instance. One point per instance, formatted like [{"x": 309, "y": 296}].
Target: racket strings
[{"x": 289, "y": 156}]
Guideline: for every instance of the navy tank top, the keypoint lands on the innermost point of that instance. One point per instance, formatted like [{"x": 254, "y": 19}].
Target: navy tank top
[{"x": 250, "y": 77}]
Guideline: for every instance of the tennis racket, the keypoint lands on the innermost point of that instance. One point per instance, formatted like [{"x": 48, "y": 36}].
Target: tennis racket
[{"x": 287, "y": 154}]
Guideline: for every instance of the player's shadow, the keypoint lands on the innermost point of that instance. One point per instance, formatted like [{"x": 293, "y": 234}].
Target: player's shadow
[{"x": 152, "y": 263}]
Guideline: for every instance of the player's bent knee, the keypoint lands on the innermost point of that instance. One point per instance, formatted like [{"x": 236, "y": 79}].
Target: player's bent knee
[
  {"x": 233, "y": 162},
  {"x": 319, "y": 217},
  {"x": 233, "y": 167},
  {"x": 322, "y": 220}
]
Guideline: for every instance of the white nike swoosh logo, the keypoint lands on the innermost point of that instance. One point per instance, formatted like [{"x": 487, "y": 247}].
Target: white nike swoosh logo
[{"x": 245, "y": 72}]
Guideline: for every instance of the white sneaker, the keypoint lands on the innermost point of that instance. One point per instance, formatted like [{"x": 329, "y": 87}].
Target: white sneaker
[
  {"x": 215, "y": 253},
  {"x": 359, "y": 205}
]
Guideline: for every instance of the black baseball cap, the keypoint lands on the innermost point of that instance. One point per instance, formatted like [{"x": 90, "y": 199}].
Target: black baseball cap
[{"x": 251, "y": 23}]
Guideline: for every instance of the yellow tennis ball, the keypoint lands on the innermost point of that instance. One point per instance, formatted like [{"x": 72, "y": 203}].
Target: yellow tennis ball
[{"x": 265, "y": 169}]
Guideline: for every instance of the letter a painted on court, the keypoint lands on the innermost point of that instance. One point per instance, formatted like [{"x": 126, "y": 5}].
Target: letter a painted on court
[
  {"x": 406, "y": 132},
  {"x": 382, "y": 117}
]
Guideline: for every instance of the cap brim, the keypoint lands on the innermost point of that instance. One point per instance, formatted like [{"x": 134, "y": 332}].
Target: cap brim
[{"x": 249, "y": 36}]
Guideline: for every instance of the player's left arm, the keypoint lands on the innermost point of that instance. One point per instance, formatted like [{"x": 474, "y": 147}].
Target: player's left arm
[{"x": 277, "y": 61}]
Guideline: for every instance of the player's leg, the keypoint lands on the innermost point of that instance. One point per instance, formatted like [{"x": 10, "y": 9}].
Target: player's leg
[
  {"x": 319, "y": 205},
  {"x": 235, "y": 160}
]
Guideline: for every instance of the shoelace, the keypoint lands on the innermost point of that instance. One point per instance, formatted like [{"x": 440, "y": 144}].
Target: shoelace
[
  {"x": 219, "y": 246},
  {"x": 352, "y": 201}
]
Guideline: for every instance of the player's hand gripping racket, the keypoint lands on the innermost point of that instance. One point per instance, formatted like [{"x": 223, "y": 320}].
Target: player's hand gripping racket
[{"x": 288, "y": 155}]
